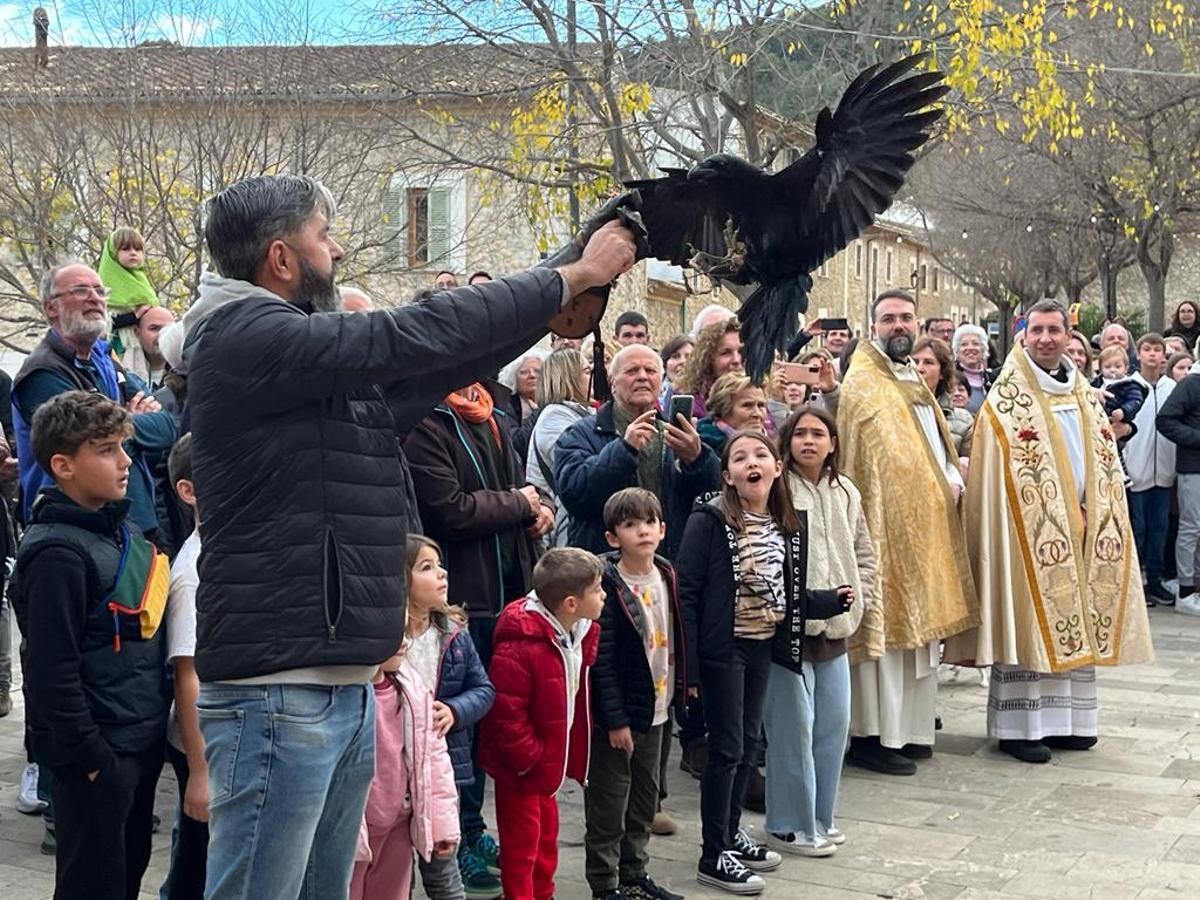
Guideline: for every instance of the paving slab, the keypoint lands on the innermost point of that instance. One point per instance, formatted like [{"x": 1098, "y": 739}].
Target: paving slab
[{"x": 1121, "y": 822}]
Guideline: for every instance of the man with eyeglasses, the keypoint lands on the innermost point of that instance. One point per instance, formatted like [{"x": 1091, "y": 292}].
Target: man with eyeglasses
[{"x": 73, "y": 356}]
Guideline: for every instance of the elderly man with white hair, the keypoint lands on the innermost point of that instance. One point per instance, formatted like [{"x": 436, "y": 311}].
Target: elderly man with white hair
[
  {"x": 714, "y": 312},
  {"x": 970, "y": 358},
  {"x": 628, "y": 444}
]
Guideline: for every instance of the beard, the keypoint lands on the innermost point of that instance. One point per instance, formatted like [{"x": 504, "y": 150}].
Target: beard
[
  {"x": 898, "y": 347},
  {"x": 84, "y": 331},
  {"x": 318, "y": 289}
]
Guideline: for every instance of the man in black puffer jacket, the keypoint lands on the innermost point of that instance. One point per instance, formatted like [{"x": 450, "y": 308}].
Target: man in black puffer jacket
[{"x": 303, "y": 512}]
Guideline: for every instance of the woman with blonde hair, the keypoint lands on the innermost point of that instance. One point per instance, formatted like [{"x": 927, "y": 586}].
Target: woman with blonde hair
[
  {"x": 735, "y": 403},
  {"x": 562, "y": 400}
]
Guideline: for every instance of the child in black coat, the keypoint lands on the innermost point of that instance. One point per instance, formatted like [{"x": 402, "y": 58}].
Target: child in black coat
[{"x": 742, "y": 569}]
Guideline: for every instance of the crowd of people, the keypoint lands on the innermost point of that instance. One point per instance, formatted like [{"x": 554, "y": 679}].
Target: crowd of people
[{"x": 348, "y": 569}]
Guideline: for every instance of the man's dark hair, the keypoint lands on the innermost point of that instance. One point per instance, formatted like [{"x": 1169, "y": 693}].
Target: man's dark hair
[
  {"x": 564, "y": 572},
  {"x": 480, "y": 274},
  {"x": 929, "y": 322},
  {"x": 66, "y": 422},
  {"x": 631, "y": 503},
  {"x": 893, "y": 294},
  {"x": 247, "y": 216},
  {"x": 179, "y": 463},
  {"x": 1151, "y": 337},
  {"x": 1050, "y": 305},
  {"x": 631, "y": 317},
  {"x": 442, "y": 272}
]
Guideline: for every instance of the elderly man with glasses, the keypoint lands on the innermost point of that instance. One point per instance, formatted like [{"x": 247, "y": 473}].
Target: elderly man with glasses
[{"x": 73, "y": 356}]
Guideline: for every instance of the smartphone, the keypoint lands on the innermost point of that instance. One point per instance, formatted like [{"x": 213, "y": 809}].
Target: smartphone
[
  {"x": 801, "y": 373},
  {"x": 835, "y": 325},
  {"x": 681, "y": 405}
]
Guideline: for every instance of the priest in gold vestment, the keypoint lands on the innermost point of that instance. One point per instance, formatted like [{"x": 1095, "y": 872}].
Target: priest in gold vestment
[
  {"x": 1052, "y": 549},
  {"x": 896, "y": 448}
]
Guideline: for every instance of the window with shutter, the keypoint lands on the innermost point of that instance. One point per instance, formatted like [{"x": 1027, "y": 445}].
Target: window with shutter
[
  {"x": 438, "y": 230},
  {"x": 417, "y": 225}
]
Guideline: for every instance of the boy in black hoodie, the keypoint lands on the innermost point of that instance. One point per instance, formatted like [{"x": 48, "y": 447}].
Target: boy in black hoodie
[
  {"x": 638, "y": 674},
  {"x": 92, "y": 591}
]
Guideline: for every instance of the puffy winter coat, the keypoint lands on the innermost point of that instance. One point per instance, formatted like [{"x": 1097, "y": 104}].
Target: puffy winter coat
[
  {"x": 622, "y": 685},
  {"x": 524, "y": 739},
  {"x": 464, "y": 686},
  {"x": 411, "y": 763},
  {"x": 297, "y": 467},
  {"x": 592, "y": 462}
]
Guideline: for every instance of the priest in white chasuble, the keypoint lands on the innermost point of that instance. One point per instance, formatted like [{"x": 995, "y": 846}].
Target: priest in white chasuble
[
  {"x": 895, "y": 446},
  {"x": 1051, "y": 549}
]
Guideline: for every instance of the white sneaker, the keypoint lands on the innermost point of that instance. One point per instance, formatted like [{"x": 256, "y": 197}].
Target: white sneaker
[
  {"x": 797, "y": 845},
  {"x": 835, "y": 836},
  {"x": 1189, "y": 605},
  {"x": 27, "y": 798}
]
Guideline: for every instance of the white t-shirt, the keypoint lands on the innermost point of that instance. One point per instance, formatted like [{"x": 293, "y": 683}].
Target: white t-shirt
[
  {"x": 425, "y": 655},
  {"x": 651, "y": 592},
  {"x": 180, "y": 616}
]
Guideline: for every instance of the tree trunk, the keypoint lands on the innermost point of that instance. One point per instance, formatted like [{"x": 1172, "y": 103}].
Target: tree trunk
[
  {"x": 1108, "y": 284},
  {"x": 1156, "y": 246}
]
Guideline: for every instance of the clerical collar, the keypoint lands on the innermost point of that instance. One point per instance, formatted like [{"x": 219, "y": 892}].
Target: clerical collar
[{"x": 1062, "y": 374}]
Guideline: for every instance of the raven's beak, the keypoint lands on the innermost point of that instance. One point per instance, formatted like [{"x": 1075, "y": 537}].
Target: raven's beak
[{"x": 701, "y": 173}]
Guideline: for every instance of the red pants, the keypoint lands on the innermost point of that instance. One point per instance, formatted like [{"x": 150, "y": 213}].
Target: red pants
[{"x": 528, "y": 827}]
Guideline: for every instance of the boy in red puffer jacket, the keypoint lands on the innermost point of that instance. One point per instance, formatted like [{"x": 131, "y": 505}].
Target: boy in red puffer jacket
[{"x": 538, "y": 732}]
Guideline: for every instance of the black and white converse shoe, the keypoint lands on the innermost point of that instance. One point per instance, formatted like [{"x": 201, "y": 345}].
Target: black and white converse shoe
[
  {"x": 753, "y": 855},
  {"x": 728, "y": 874}
]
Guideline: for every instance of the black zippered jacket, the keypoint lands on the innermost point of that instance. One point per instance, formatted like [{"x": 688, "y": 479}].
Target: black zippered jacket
[
  {"x": 622, "y": 684},
  {"x": 706, "y": 566},
  {"x": 299, "y": 480}
]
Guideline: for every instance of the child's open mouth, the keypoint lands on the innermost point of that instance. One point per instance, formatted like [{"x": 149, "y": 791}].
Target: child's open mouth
[{"x": 754, "y": 477}]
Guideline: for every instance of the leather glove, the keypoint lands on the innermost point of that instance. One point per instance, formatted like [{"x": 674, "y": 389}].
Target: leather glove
[{"x": 583, "y": 312}]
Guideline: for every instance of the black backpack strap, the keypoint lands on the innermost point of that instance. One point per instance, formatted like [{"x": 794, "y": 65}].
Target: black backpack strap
[{"x": 547, "y": 472}]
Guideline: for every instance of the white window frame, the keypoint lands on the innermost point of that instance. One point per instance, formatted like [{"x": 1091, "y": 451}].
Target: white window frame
[{"x": 455, "y": 259}]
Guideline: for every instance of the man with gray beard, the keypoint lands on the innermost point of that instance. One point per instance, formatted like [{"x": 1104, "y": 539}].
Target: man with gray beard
[
  {"x": 73, "y": 356},
  {"x": 304, "y": 512},
  {"x": 895, "y": 446}
]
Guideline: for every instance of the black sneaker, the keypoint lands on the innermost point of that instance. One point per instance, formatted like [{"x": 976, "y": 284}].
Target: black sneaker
[
  {"x": 728, "y": 874},
  {"x": 645, "y": 889},
  {"x": 753, "y": 855},
  {"x": 1026, "y": 751},
  {"x": 613, "y": 894}
]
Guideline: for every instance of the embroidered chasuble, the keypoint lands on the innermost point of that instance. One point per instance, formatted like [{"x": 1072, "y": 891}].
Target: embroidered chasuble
[
  {"x": 923, "y": 590},
  {"x": 1048, "y": 530}
]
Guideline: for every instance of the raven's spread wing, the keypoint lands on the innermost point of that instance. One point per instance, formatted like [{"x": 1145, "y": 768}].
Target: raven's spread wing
[
  {"x": 682, "y": 216},
  {"x": 861, "y": 156}
]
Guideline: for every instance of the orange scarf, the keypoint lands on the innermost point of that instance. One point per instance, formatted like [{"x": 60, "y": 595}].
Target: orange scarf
[{"x": 477, "y": 410}]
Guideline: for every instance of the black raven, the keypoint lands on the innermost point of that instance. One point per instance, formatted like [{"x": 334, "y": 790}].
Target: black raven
[{"x": 738, "y": 223}]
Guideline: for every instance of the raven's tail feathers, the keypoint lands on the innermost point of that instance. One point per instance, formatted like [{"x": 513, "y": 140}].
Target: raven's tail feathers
[{"x": 770, "y": 318}]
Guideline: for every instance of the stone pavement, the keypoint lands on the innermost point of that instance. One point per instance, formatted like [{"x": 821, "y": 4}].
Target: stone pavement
[{"x": 1119, "y": 822}]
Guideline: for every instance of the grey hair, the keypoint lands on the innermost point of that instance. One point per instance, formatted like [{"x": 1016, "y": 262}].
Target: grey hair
[
  {"x": 46, "y": 283},
  {"x": 699, "y": 322},
  {"x": 508, "y": 375},
  {"x": 247, "y": 216},
  {"x": 962, "y": 331}
]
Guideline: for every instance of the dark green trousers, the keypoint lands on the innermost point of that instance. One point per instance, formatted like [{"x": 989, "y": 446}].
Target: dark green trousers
[{"x": 619, "y": 802}]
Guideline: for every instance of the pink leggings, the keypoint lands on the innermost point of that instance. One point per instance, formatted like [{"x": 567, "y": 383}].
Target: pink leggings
[{"x": 388, "y": 876}]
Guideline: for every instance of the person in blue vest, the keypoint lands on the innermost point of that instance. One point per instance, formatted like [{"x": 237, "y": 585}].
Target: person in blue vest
[{"x": 74, "y": 356}]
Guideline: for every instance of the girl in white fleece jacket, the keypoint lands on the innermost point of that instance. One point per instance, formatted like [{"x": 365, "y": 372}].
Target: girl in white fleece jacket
[{"x": 808, "y": 719}]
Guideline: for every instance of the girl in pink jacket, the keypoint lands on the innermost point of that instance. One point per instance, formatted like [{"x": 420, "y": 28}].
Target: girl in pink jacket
[{"x": 413, "y": 803}]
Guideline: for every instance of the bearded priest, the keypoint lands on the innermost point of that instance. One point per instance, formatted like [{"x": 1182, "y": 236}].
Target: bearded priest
[
  {"x": 896, "y": 448},
  {"x": 1051, "y": 547}
]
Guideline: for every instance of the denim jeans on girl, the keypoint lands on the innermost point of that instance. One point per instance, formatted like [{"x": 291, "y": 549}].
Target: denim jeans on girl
[
  {"x": 734, "y": 693},
  {"x": 289, "y": 767},
  {"x": 807, "y": 721}
]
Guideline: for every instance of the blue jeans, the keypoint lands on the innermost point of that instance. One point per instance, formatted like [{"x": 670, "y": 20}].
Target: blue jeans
[
  {"x": 470, "y": 796},
  {"x": 807, "y": 723},
  {"x": 1149, "y": 512},
  {"x": 289, "y": 768}
]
